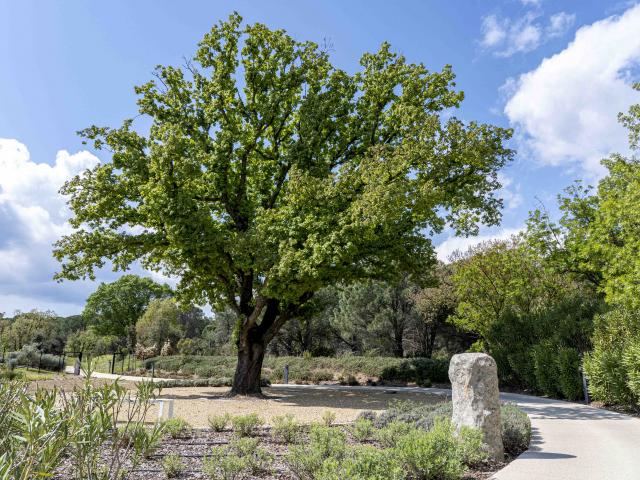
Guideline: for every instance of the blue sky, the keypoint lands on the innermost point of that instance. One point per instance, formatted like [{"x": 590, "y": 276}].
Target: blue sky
[{"x": 556, "y": 71}]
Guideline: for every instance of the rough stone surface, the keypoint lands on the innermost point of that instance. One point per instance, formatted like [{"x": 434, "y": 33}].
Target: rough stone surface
[{"x": 476, "y": 401}]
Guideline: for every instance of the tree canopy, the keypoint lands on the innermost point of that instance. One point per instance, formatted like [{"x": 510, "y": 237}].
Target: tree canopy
[
  {"x": 267, "y": 173},
  {"x": 114, "y": 308}
]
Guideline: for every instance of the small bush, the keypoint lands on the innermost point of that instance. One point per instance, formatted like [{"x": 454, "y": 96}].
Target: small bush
[
  {"x": 388, "y": 436},
  {"x": 246, "y": 425},
  {"x": 328, "y": 418},
  {"x": 223, "y": 466},
  {"x": 218, "y": 423},
  {"x": 362, "y": 463},
  {"x": 286, "y": 429},
  {"x": 178, "y": 428},
  {"x": 362, "y": 429},
  {"x": 436, "y": 454},
  {"x": 420, "y": 415},
  {"x": 471, "y": 448},
  {"x": 516, "y": 429},
  {"x": 324, "y": 443},
  {"x": 243, "y": 455},
  {"x": 172, "y": 466},
  {"x": 328, "y": 441}
]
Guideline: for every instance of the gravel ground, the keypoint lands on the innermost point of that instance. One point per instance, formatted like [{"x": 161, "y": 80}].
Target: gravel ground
[{"x": 196, "y": 404}]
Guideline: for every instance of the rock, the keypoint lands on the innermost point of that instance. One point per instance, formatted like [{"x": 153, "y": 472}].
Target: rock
[{"x": 476, "y": 401}]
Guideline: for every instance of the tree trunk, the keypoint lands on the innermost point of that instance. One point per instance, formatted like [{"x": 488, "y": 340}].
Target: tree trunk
[{"x": 251, "y": 349}]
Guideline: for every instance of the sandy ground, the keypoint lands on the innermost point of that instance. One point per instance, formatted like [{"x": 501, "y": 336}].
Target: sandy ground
[{"x": 308, "y": 405}]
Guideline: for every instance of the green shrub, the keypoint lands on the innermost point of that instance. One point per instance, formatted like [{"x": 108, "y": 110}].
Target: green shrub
[
  {"x": 328, "y": 418},
  {"x": 388, "y": 436},
  {"x": 246, "y": 425},
  {"x": 569, "y": 378},
  {"x": 222, "y": 465},
  {"x": 362, "y": 429},
  {"x": 470, "y": 442},
  {"x": 546, "y": 368},
  {"x": 286, "y": 429},
  {"x": 172, "y": 466},
  {"x": 219, "y": 422},
  {"x": 328, "y": 441},
  {"x": 242, "y": 456},
  {"x": 30, "y": 356},
  {"x": 615, "y": 333},
  {"x": 324, "y": 443},
  {"x": 631, "y": 365},
  {"x": 362, "y": 463},
  {"x": 178, "y": 428},
  {"x": 421, "y": 415},
  {"x": 389, "y": 369},
  {"x": 435, "y": 454},
  {"x": 142, "y": 439},
  {"x": 516, "y": 429}
]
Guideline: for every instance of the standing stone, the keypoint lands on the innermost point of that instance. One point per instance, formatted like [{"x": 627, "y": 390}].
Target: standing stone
[{"x": 476, "y": 401}]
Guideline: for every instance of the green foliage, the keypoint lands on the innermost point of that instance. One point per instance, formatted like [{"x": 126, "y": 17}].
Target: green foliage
[
  {"x": 91, "y": 343},
  {"x": 516, "y": 429},
  {"x": 242, "y": 456},
  {"x": 218, "y": 423},
  {"x": 178, "y": 428},
  {"x": 569, "y": 377},
  {"x": 609, "y": 367},
  {"x": 471, "y": 446},
  {"x": 82, "y": 426},
  {"x": 362, "y": 463},
  {"x": 417, "y": 414},
  {"x": 159, "y": 324},
  {"x": 385, "y": 369},
  {"x": 286, "y": 429},
  {"x": 374, "y": 316},
  {"x": 30, "y": 356},
  {"x": 362, "y": 429},
  {"x": 433, "y": 454},
  {"x": 544, "y": 357},
  {"x": 172, "y": 466},
  {"x": 293, "y": 172},
  {"x": 389, "y": 435},
  {"x": 114, "y": 308},
  {"x": 246, "y": 425},
  {"x": 328, "y": 417},
  {"x": 324, "y": 443}
]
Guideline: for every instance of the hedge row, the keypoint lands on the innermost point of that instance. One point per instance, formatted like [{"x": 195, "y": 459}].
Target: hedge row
[{"x": 421, "y": 371}]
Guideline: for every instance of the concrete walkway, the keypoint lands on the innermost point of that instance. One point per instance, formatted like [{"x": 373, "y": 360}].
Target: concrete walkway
[
  {"x": 575, "y": 442},
  {"x": 569, "y": 441}
]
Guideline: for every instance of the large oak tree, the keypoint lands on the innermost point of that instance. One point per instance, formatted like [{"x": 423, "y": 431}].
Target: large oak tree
[{"x": 267, "y": 173}]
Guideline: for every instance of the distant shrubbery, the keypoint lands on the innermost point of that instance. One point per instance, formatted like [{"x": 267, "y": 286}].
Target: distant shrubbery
[
  {"x": 30, "y": 356},
  {"x": 217, "y": 369}
]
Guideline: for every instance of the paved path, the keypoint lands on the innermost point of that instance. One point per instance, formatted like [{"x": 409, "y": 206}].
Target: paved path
[
  {"x": 575, "y": 442},
  {"x": 569, "y": 441}
]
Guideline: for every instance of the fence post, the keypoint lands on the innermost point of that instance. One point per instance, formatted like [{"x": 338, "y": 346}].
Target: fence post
[
  {"x": 122, "y": 364},
  {"x": 40, "y": 362},
  {"x": 113, "y": 362},
  {"x": 286, "y": 374}
]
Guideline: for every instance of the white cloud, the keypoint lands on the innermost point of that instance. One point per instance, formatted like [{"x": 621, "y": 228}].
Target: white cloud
[
  {"x": 452, "y": 244},
  {"x": 566, "y": 109},
  {"x": 506, "y": 36},
  {"x": 33, "y": 215},
  {"x": 509, "y": 192},
  {"x": 530, "y": 2},
  {"x": 560, "y": 23}
]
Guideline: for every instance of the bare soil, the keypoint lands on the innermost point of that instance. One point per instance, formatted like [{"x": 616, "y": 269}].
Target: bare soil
[{"x": 196, "y": 404}]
